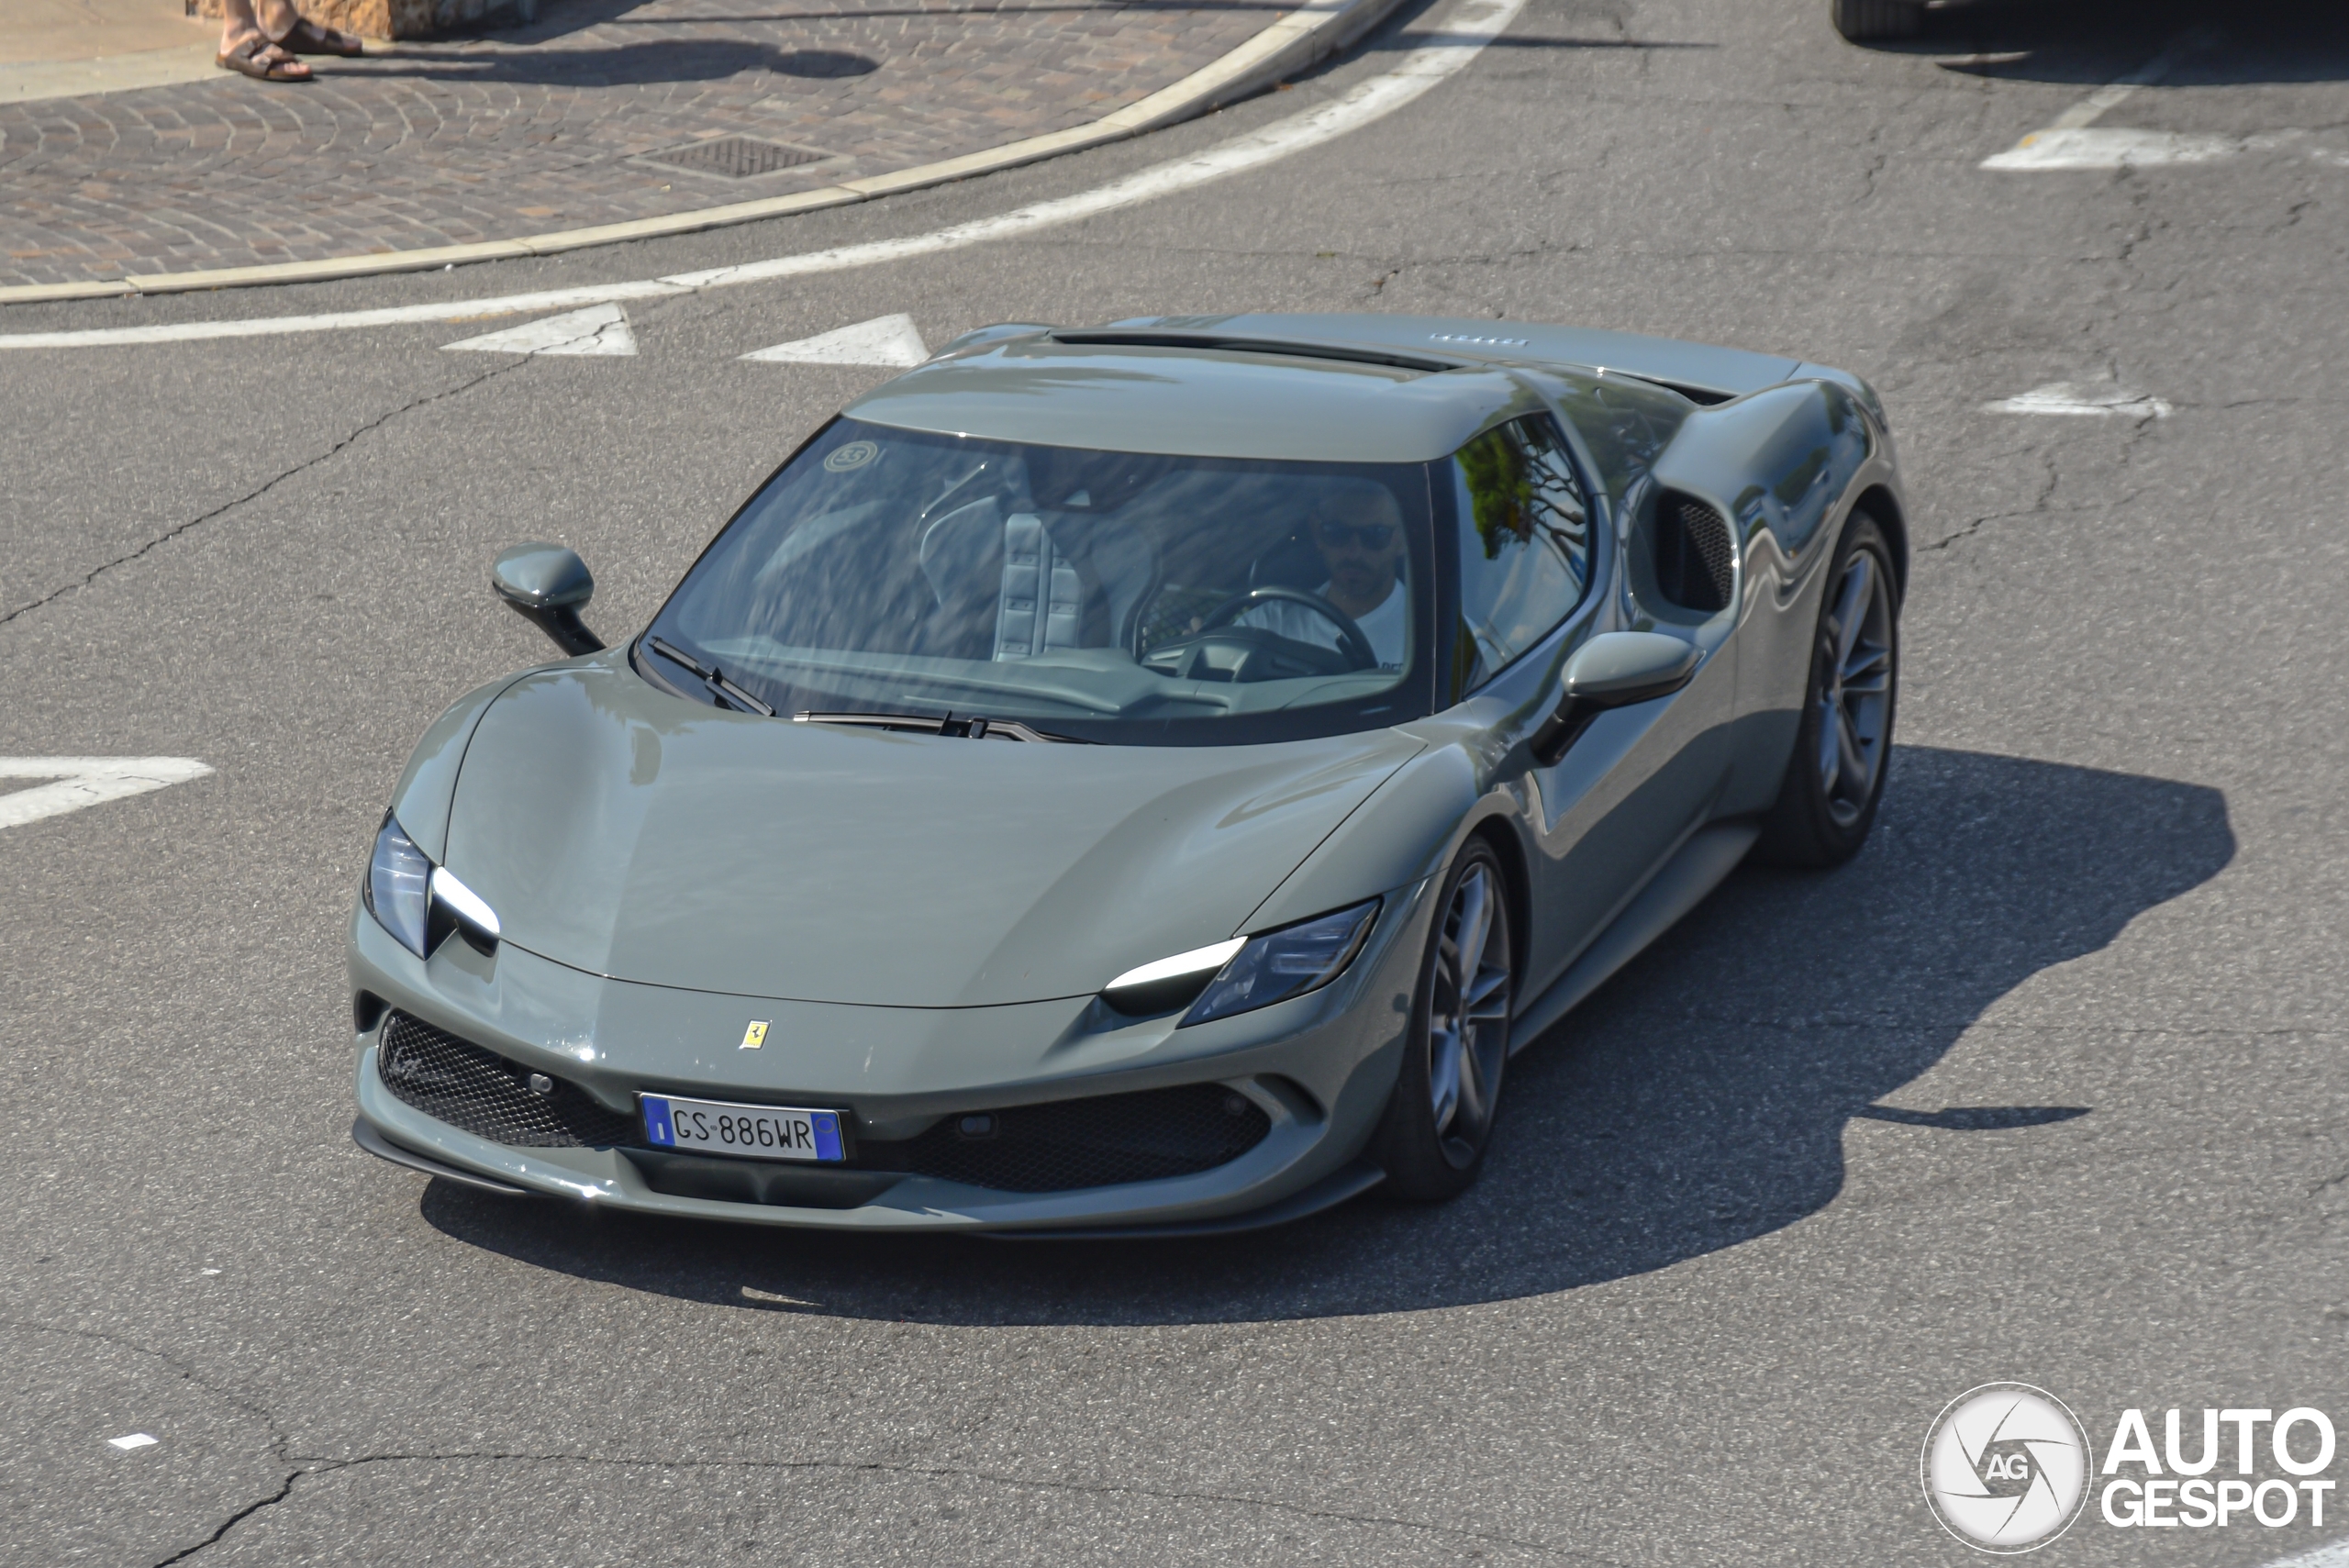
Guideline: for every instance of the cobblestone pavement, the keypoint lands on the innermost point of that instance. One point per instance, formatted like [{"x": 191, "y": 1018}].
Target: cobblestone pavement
[{"x": 562, "y": 125}]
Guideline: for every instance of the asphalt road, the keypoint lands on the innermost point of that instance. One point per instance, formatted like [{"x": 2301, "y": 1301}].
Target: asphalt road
[{"x": 2045, "y": 1086}]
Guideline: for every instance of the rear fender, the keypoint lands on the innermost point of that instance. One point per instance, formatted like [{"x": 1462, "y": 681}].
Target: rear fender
[{"x": 1785, "y": 466}]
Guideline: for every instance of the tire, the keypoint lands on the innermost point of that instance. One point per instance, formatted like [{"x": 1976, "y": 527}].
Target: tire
[
  {"x": 1862, "y": 21},
  {"x": 1835, "y": 779},
  {"x": 1438, "y": 1120}
]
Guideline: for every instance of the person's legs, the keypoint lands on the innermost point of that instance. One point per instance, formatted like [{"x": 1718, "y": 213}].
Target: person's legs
[
  {"x": 285, "y": 26},
  {"x": 241, "y": 39}
]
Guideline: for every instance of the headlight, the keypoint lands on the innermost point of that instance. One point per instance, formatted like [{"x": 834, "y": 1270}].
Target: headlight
[
  {"x": 420, "y": 902},
  {"x": 399, "y": 887},
  {"x": 1288, "y": 963}
]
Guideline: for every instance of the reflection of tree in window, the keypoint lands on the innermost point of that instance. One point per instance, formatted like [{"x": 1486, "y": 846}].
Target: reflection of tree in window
[{"x": 1524, "y": 540}]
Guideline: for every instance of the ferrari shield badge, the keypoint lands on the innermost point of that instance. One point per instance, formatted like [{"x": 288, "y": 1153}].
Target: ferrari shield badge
[{"x": 755, "y": 1036}]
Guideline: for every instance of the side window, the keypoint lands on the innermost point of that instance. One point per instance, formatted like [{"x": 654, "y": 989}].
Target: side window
[{"x": 1524, "y": 544}]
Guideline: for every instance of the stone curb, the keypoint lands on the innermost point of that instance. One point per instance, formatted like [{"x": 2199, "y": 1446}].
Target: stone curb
[{"x": 1318, "y": 29}]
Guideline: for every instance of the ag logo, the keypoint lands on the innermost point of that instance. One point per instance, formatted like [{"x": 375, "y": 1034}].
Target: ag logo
[{"x": 2006, "y": 1467}]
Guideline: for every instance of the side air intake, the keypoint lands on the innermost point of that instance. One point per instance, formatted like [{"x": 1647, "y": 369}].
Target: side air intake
[{"x": 1695, "y": 562}]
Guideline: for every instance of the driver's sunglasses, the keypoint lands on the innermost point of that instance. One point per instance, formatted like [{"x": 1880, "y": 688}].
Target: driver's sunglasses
[{"x": 1358, "y": 536}]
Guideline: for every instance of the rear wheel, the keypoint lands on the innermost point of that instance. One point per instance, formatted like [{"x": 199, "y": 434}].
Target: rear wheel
[
  {"x": 1835, "y": 778},
  {"x": 1860, "y": 20},
  {"x": 1439, "y": 1117}
]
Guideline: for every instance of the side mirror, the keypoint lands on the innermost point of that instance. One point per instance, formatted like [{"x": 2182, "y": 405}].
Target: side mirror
[
  {"x": 548, "y": 585},
  {"x": 1614, "y": 669}
]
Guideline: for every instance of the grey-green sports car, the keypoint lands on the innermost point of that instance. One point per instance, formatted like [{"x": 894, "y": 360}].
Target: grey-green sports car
[{"x": 1136, "y": 779}]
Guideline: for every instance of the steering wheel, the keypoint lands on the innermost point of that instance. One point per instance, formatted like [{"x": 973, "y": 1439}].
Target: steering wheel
[{"x": 1351, "y": 642}]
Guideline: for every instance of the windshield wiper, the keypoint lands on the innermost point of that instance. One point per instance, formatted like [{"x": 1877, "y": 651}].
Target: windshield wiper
[
  {"x": 970, "y": 729},
  {"x": 714, "y": 679}
]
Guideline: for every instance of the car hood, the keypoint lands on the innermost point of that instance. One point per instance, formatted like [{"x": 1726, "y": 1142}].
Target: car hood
[{"x": 634, "y": 834}]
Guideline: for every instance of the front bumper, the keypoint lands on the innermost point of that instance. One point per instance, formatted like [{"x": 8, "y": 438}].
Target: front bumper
[{"x": 1319, "y": 1067}]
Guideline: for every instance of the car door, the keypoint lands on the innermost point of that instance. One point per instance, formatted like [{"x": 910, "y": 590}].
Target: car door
[
  {"x": 1605, "y": 815},
  {"x": 1640, "y": 779}
]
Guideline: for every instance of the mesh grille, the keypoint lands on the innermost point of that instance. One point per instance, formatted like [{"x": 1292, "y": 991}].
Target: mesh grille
[
  {"x": 489, "y": 1096},
  {"x": 1696, "y": 562},
  {"x": 1097, "y": 1142}
]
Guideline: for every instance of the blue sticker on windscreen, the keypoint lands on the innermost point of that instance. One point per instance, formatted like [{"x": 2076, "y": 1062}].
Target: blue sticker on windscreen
[
  {"x": 827, "y": 1134},
  {"x": 656, "y": 1122}
]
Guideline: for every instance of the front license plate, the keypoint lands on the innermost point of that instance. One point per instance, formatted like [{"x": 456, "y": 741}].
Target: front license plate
[{"x": 754, "y": 1133}]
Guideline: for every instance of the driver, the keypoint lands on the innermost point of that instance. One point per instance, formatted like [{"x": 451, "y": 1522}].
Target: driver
[{"x": 1358, "y": 528}]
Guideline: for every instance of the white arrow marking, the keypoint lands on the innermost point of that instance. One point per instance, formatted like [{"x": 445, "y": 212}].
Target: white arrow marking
[
  {"x": 600, "y": 330},
  {"x": 1463, "y": 37},
  {"x": 136, "y": 1440},
  {"x": 2090, "y": 148},
  {"x": 2094, "y": 398},
  {"x": 85, "y": 781},
  {"x": 883, "y": 340}
]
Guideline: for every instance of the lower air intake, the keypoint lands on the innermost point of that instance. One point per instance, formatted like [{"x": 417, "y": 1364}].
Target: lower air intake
[
  {"x": 477, "y": 1092},
  {"x": 1069, "y": 1144}
]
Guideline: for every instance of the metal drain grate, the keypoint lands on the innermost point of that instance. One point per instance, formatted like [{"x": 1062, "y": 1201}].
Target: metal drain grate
[{"x": 736, "y": 156}]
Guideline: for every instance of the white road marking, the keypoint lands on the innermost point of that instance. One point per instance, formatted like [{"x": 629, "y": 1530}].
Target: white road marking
[
  {"x": 883, "y": 340},
  {"x": 2026, "y": 154},
  {"x": 2090, "y": 148},
  {"x": 1475, "y": 24},
  {"x": 2331, "y": 1554},
  {"x": 134, "y": 1440},
  {"x": 598, "y": 329},
  {"x": 85, "y": 781},
  {"x": 2105, "y": 399}
]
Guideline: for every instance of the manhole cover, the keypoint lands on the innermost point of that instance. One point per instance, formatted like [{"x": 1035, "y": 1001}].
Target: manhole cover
[{"x": 737, "y": 157}]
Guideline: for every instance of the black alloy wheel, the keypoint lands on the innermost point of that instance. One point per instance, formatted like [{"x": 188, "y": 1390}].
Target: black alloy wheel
[
  {"x": 1440, "y": 1118},
  {"x": 1835, "y": 779}
]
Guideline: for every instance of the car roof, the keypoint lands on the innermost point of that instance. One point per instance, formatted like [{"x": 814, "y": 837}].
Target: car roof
[{"x": 1326, "y": 388}]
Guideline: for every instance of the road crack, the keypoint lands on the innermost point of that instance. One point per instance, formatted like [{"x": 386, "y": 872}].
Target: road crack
[
  {"x": 267, "y": 485},
  {"x": 320, "y": 1465},
  {"x": 233, "y": 1520}
]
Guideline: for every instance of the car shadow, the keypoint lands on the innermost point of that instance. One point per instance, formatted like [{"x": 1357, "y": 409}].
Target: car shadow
[
  {"x": 2091, "y": 42},
  {"x": 1699, "y": 1101}
]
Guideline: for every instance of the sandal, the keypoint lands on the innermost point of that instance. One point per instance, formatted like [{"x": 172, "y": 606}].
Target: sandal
[
  {"x": 262, "y": 60},
  {"x": 306, "y": 36}
]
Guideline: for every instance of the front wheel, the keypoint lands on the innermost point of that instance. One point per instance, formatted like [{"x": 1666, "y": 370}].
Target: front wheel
[
  {"x": 1835, "y": 779},
  {"x": 1439, "y": 1117},
  {"x": 1861, "y": 20}
]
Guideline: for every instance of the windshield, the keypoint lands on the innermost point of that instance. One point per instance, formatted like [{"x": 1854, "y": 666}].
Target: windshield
[{"x": 1090, "y": 595}]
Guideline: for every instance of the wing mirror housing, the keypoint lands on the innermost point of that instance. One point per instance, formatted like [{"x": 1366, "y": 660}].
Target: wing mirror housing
[
  {"x": 1614, "y": 669},
  {"x": 548, "y": 585}
]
